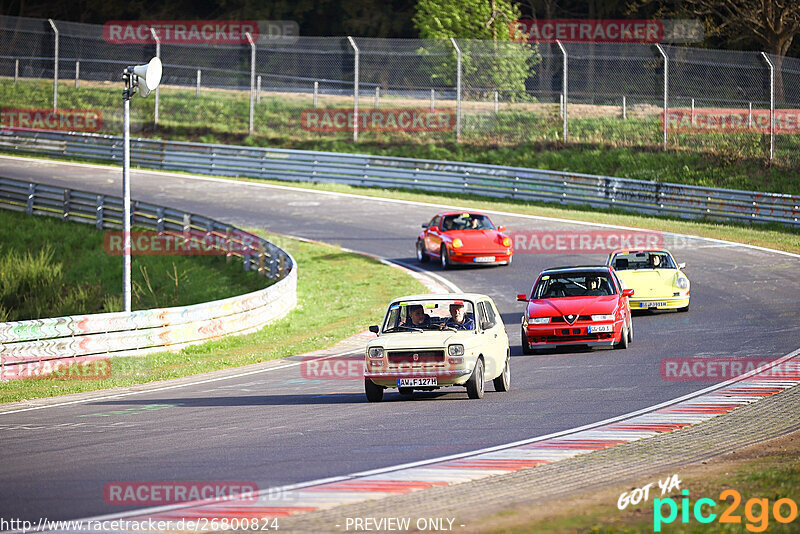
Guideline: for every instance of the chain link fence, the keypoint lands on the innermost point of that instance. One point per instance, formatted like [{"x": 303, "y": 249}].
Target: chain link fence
[{"x": 340, "y": 89}]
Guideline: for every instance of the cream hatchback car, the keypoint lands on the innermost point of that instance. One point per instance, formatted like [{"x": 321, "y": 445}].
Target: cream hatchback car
[{"x": 431, "y": 341}]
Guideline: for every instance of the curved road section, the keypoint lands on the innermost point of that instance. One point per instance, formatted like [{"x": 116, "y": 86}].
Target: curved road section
[{"x": 276, "y": 428}]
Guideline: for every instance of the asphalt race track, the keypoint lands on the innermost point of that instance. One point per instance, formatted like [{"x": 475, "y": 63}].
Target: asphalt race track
[{"x": 276, "y": 428}]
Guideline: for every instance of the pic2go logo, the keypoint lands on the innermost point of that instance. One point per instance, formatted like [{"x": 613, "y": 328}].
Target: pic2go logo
[{"x": 756, "y": 511}]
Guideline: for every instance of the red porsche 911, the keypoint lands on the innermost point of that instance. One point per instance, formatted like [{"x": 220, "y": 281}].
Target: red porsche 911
[
  {"x": 463, "y": 238},
  {"x": 577, "y": 306}
]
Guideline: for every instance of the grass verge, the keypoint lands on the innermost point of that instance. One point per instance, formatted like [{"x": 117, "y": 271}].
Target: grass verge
[
  {"x": 55, "y": 268},
  {"x": 355, "y": 288},
  {"x": 765, "y": 471},
  {"x": 524, "y": 135}
]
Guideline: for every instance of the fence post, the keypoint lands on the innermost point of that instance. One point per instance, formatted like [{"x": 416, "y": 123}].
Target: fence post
[
  {"x": 77, "y": 73},
  {"x": 16, "y": 71},
  {"x": 65, "y": 206},
  {"x": 624, "y": 108},
  {"x": 158, "y": 88},
  {"x": 749, "y": 114},
  {"x": 771, "y": 105},
  {"x": 252, "y": 77},
  {"x": 98, "y": 216},
  {"x": 458, "y": 89},
  {"x": 666, "y": 90},
  {"x": 565, "y": 89},
  {"x": 258, "y": 89},
  {"x": 433, "y": 99},
  {"x": 31, "y": 199},
  {"x": 316, "y": 92},
  {"x": 377, "y": 95},
  {"x": 199, "y": 77},
  {"x": 692, "y": 115},
  {"x": 355, "y": 90},
  {"x": 496, "y": 103},
  {"x": 55, "y": 65}
]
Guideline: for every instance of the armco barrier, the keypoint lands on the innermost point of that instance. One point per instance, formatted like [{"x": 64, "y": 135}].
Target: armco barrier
[
  {"x": 647, "y": 197},
  {"x": 29, "y": 347}
]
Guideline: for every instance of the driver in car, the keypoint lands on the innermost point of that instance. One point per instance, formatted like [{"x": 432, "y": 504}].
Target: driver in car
[{"x": 458, "y": 318}]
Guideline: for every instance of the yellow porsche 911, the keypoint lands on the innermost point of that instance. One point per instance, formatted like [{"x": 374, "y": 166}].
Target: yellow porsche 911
[{"x": 657, "y": 280}]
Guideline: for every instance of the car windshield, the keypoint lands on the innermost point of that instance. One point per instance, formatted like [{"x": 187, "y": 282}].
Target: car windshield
[
  {"x": 433, "y": 314},
  {"x": 643, "y": 260},
  {"x": 467, "y": 221},
  {"x": 578, "y": 284}
]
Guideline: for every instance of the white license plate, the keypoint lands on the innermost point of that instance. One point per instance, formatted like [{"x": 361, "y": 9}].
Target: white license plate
[
  {"x": 416, "y": 382},
  {"x": 594, "y": 329},
  {"x": 483, "y": 259},
  {"x": 652, "y": 304}
]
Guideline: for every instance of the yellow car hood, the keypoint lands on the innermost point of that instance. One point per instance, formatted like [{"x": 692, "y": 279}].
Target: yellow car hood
[{"x": 649, "y": 283}]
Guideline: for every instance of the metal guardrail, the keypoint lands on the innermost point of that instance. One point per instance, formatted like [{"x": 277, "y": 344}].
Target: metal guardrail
[
  {"x": 35, "y": 346},
  {"x": 648, "y": 197}
]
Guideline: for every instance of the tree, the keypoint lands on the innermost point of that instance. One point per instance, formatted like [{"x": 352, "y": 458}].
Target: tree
[
  {"x": 772, "y": 24},
  {"x": 491, "y": 58}
]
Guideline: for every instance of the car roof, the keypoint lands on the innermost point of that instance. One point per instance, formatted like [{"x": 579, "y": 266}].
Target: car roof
[
  {"x": 575, "y": 268},
  {"x": 471, "y": 212},
  {"x": 636, "y": 250},
  {"x": 444, "y": 296}
]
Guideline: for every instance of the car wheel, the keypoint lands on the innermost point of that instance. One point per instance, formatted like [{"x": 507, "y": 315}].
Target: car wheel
[
  {"x": 374, "y": 392},
  {"x": 503, "y": 382},
  {"x": 405, "y": 391},
  {"x": 526, "y": 348},
  {"x": 630, "y": 333},
  {"x": 421, "y": 256},
  {"x": 444, "y": 256},
  {"x": 623, "y": 340},
  {"x": 475, "y": 385}
]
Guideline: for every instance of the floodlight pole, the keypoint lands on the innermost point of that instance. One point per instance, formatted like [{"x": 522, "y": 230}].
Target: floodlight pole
[
  {"x": 127, "y": 93},
  {"x": 771, "y": 105},
  {"x": 252, "y": 78},
  {"x": 158, "y": 55},
  {"x": 666, "y": 89},
  {"x": 55, "y": 65},
  {"x": 564, "y": 86}
]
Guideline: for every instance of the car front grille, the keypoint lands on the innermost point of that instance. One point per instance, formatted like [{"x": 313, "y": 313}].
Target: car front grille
[{"x": 422, "y": 356}]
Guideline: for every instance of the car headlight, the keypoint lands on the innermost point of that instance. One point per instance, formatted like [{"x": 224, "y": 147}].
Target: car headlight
[
  {"x": 457, "y": 243},
  {"x": 682, "y": 283},
  {"x": 539, "y": 320},
  {"x": 602, "y": 317},
  {"x": 506, "y": 241},
  {"x": 455, "y": 350},
  {"x": 376, "y": 352}
]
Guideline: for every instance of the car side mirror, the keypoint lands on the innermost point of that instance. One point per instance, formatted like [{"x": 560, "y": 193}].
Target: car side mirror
[
  {"x": 627, "y": 292},
  {"x": 433, "y": 228},
  {"x": 375, "y": 329},
  {"x": 501, "y": 228},
  {"x": 682, "y": 265},
  {"x": 522, "y": 297},
  {"x": 425, "y": 225},
  {"x": 486, "y": 325}
]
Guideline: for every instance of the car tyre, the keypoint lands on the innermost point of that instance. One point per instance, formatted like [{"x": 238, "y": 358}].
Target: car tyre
[
  {"x": 503, "y": 382},
  {"x": 406, "y": 392},
  {"x": 526, "y": 348},
  {"x": 444, "y": 256},
  {"x": 630, "y": 333},
  {"x": 374, "y": 392},
  {"x": 421, "y": 256},
  {"x": 475, "y": 384},
  {"x": 624, "y": 338}
]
